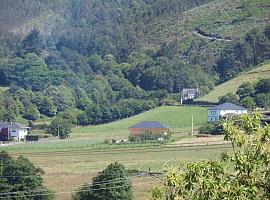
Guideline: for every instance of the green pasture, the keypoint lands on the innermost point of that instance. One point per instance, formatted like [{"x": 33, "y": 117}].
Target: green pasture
[
  {"x": 262, "y": 71},
  {"x": 177, "y": 118}
]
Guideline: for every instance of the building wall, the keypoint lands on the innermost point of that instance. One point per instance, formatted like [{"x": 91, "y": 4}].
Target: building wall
[
  {"x": 18, "y": 133},
  {"x": 138, "y": 131},
  {"x": 213, "y": 115},
  {"x": 237, "y": 112}
]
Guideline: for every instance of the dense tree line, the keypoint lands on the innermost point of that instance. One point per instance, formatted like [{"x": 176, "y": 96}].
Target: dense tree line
[{"x": 254, "y": 49}]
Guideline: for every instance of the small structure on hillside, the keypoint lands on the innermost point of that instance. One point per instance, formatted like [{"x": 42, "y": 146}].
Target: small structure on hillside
[
  {"x": 151, "y": 127},
  {"x": 225, "y": 110},
  {"x": 13, "y": 130},
  {"x": 189, "y": 94}
]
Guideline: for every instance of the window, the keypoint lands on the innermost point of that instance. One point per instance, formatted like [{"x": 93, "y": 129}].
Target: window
[{"x": 213, "y": 112}]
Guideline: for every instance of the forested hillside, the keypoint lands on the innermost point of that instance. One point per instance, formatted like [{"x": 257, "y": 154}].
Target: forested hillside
[{"x": 106, "y": 60}]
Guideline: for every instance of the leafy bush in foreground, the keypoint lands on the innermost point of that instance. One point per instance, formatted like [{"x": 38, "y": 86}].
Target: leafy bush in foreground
[{"x": 248, "y": 178}]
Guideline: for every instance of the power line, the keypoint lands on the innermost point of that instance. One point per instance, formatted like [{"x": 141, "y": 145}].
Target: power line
[
  {"x": 66, "y": 187},
  {"x": 72, "y": 186},
  {"x": 76, "y": 186},
  {"x": 29, "y": 176},
  {"x": 71, "y": 191}
]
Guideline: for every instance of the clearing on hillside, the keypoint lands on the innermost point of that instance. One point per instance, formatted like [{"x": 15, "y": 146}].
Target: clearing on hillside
[{"x": 262, "y": 71}]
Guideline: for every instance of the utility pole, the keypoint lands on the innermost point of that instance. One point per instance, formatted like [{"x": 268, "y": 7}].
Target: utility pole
[
  {"x": 192, "y": 125},
  {"x": 58, "y": 130},
  {"x": 8, "y": 134},
  {"x": 1, "y": 169}
]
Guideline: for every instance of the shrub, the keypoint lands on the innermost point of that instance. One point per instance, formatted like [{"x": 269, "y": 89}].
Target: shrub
[
  {"x": 112, "y": 183},
  {"x": 263, "y": 101},
  {"x": 230, "y": 97},
  {"x": 214, "y": 128},
  {"x": 248, "y": 102},
  {"x": 60, "y": 127}
]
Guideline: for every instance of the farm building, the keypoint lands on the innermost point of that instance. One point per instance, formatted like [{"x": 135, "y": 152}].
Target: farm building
[
  {"x": 224, "y": 110},
  {"x": 14, "y": 130},
  {"x": 189, "y": 94},
  {"x": 152, "y": 127}
]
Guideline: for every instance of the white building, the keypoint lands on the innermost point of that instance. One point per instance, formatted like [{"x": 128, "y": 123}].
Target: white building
[
  {"x": 189, "y": 94},
  {"x": 15, "y": 130},
  {"x": 224, "y": 110}
]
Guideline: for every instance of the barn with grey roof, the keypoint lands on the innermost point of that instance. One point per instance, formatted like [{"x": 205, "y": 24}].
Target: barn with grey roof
[{"x": 153, "y": 127}]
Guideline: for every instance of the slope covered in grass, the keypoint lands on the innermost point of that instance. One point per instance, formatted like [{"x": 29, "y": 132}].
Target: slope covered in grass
[
  {"x": 262, "y": 71},
  {"x": 175, "y": 117},
  {"x": 2, "y": 89}
]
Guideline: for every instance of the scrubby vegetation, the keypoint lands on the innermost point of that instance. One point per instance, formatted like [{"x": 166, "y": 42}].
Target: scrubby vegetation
[{"x": 214, "y": 128}]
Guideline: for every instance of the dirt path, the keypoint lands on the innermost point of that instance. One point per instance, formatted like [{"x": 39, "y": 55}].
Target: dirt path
[{"x": 212, "y": 38}]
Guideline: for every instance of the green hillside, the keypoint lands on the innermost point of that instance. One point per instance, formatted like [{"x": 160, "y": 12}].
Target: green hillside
[
  {"x": 261, "y": 71},
  {"x": 115, "y": 59},
  {"x": 175, "y": 117}
]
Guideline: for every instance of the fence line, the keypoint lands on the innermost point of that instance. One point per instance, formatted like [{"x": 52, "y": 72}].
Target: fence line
[{"x": 101, "y": 149}]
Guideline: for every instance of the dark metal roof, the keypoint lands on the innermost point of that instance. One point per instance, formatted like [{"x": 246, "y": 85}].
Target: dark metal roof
[
  {"x": 190, "y": 90},
  {"x": 227, "y": 106},
  {"x": 149, "y": 124},
  {"x": 13, "y": 125}
]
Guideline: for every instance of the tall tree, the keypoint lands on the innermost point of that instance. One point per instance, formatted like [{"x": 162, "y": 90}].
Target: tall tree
[
  {"x": 33, "y": 43},
  {"x": 60, "y": 127},
  {"x": 20, "y": 179},
  {"x": 110, "y": 184}
]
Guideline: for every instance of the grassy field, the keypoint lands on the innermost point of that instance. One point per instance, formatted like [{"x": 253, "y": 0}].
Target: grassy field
[
  {"x": 177, "y": 118},
  {"x": 262, "y": 71},
  {"x": 73, "y": 161},
  {"x": 75, "y": 168}
]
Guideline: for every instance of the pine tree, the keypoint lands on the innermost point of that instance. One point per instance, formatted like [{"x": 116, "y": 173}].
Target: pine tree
[{"x": 32, "y": 43}]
